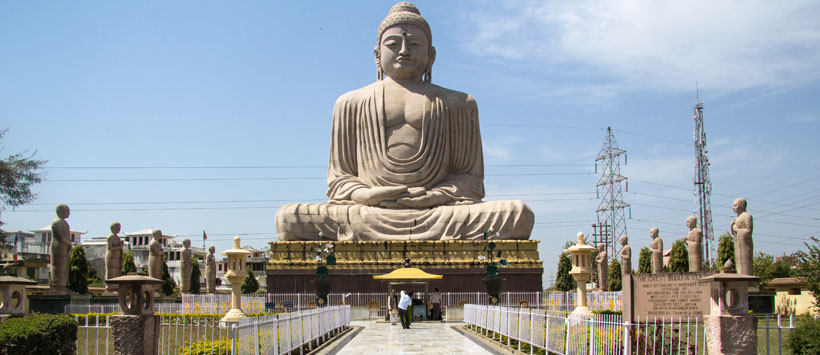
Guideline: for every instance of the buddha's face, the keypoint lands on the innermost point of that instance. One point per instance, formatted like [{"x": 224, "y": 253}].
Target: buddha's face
[
  {"x": 653, "y": 233},
  {"x": 691, "y": 222},
  {"x": 63, "y": 211},
  {"x": 404, "y": 52},
  {"x": 739, "y": 206},
  {"x": 115, "y": 228}
]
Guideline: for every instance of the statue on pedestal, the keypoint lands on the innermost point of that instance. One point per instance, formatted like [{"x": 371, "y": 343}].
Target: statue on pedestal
[
  {"x": 185, "y": 266},
  {"x": 406, "y": 159},
  {"x": 693, "y": 244},
  {"x": 210, "y": 270},
  {"x": 603, "y": 267},
  {"x": 113, "y": 256},
  {"x": 60, "y": 249},
  {"x": 155, "y": 253},
  {"x": 626, "y": 256},
  {"x": 742, "y": 231},
  {"x": 657, "y": 251}
]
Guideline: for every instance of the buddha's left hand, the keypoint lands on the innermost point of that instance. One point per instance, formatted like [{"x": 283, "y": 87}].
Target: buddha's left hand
[{"x": 427, "y": 200}]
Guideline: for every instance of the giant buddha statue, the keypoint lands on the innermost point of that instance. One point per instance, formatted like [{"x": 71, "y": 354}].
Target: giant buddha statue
[{"x": 405, "y": 156}]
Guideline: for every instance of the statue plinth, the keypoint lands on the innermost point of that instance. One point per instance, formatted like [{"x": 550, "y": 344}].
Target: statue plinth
[{"x": 292, "y": 269}]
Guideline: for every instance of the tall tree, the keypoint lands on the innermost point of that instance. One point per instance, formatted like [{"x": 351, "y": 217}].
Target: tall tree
[
  {"x": 18, "y": 172},
  {"x": 645, "y": 261},
  {"x": 679, "y": 257},
  {"x": 564, "y": 281},
  {"x": 615, "y": 281},
  {"x": 249, "y": 285},
  {"x": 78, "y": 271},
  {"x": 726, "y": 250},
  {"x": 809, "y": 268},
  {"x": 128, "y": 264},
  {"x": 195, "y": 274},
  {"x": 168, "y": 284}
]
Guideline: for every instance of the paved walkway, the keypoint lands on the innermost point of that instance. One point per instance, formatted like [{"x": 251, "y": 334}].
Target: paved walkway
[{"x": 421, "y": 338}]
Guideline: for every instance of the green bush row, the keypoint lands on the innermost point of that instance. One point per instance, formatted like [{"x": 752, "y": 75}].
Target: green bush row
[
  {"x": 173, "y": 316},
  {"x": 46, "y": 334}
]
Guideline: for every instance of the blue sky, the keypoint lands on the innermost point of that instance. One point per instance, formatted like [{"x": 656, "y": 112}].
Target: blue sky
[{"x": 225, "y": 108}]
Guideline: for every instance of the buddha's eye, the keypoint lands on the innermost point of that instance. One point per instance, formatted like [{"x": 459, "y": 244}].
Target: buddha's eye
[{"x": 391, "y": 43}]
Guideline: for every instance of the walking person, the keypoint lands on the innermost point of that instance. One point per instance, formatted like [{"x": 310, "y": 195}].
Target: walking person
[
  {"x": 392, "y": 306},
  {"x": 435, "y": 313},
  {"x": 404, "y": 303}
]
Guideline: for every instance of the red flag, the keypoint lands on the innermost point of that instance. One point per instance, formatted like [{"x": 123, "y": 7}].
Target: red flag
[{"x": 204, "y": 236}]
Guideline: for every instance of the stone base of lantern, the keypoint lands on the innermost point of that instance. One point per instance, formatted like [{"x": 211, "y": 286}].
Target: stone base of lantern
[
  {"x": 233, "y": 316},
  {"x": 135, "y": 335},
  {"x": 581, "y": 313},
  {"x": 731, "y": 334}
]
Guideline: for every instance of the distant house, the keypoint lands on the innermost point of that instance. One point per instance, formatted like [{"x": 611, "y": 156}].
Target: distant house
[
  {"x": 32, "y": 250},
  {"x": 792, "y": 292}
]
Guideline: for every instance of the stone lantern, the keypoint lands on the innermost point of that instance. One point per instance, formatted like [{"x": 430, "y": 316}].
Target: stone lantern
[
  {"x": 581, "y": 256},
  {"x": 235, "y": 275},
  {"x": 13, "y": 295},
  {"x": 730, "y": 327},
  {"x": 135, "y": 329}
]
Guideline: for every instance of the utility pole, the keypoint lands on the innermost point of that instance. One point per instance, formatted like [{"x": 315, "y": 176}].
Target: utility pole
[
  {"x": 703, "y": 186},
  {"x": 611, "y": 210}
]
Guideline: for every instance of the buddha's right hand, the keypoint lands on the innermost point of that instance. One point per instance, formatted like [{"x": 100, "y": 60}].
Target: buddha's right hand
[{"x": 374, "y": 196}]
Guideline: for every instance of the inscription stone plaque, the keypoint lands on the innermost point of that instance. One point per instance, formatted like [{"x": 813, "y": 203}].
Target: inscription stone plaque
[{"x": 665, "y": 295}]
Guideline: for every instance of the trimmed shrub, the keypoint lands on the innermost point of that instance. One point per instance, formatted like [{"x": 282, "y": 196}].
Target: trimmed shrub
[
  {"x": 39, "y": 334},
  {"x": 168, "y": 283},
  {"x": 805, "y": 338},
  {"x": 726, "y": 250},
  {"x": 78, "y": 271},
  {"x": 645, "y": 261},
  {"x": 214, "y": 347},
  {"x": 679, "y": 257},
  {"x": 564, "y": 281},
  {"x": 615, "y": 281},
  {"x": 249, "y": 285},
  {"x": 128, "y": 263},
  {"x": 195, "y": 274}
]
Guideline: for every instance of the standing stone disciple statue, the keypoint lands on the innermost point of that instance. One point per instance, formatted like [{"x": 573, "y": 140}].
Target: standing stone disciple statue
[
  {"x": 113, "y": 256},
  {"x": 60, "y": 249},
  {"x": 185, "y": 266},
  {"x": 210, "y": 270},
  {"x": 405, "y": 155},
  {"x": 693, "y": 245},
  {"x": 742, "y": 230},
  {"x": 155, "y": 253},
  {"x": 603, "y": 267},
  {"x": 657, "y": 251},
  {"x": 626, "y": 256}
]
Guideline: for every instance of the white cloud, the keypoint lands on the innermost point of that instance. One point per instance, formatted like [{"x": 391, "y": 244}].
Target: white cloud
[
  {"x": 804, "y": 119},
  {"x": 656, "y": 45}
]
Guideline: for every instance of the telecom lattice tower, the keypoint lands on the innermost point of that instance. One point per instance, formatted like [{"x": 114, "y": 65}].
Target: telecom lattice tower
[
  {"x": 703, "y": 187},
  {"x": 611, "y": 211}
]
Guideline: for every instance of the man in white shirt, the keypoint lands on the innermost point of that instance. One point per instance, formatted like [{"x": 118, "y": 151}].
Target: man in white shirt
[{"x": 404, "y": 302}]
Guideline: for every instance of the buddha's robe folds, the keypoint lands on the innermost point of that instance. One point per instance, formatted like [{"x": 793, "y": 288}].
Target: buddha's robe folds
[{"x": 449, "y": 160}]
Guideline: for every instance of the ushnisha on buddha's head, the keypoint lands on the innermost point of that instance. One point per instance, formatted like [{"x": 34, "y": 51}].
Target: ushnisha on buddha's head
[{"x": 404, "y": 45}]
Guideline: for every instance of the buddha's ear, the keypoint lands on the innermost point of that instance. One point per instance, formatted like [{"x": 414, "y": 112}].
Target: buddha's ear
[
  {"x": 432, "y": 55},
  {"x": 377, "y": 57}
]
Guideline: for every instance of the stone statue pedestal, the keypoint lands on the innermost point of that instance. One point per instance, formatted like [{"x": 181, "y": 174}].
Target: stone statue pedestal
[
  {"x": 135, "y": 335},
  {"x": 291, "y": 268},
  {"x": 729, "y": 328}
]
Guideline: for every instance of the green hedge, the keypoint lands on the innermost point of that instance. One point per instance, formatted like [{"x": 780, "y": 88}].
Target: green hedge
[
  {"x": 46, "y": 334},
  {"x": 206, "y": 347},
  {"x": 805, "y": 338}
]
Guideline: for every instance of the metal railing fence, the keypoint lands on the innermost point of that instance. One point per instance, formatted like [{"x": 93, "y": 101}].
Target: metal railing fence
[{"x": 557, "y": 332}]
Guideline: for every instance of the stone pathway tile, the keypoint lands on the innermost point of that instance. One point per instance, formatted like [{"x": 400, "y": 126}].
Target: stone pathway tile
[{"x": 421, "y": 338}]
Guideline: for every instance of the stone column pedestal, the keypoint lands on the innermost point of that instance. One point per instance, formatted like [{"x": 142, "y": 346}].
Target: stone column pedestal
[
  {"x": 135, "y": 335},
  {"x": 731, "y": 334},
  {"x": 729, "y": 328}
]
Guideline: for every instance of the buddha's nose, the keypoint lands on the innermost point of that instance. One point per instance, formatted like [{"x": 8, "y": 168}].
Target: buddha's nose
[{"x": 404, "y": 49}]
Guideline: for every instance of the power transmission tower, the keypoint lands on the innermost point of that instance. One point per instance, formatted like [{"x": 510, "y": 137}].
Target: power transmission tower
[
  {"x": 611, "y": 210},
  {"x": 703, "y": 186}
]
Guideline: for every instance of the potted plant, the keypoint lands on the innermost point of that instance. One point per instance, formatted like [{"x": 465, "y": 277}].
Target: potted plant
[
  {"x": 324, "y": 256},
  {"x": 493, "y": 282}
]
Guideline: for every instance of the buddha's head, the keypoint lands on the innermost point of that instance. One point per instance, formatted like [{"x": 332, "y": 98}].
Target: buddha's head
[
  {"x": 623, "y": 240},
  {"x": 63, "y": 211},
  {"x": 404, "y": 48},
  {"x": 211, "y": 249},
  {"x": 691, "y": 222},
  {"x": 156, "y": 234},
  {"x": 653, "y": 232},
  {"x": 739, "y": 206},
  {"x": 186, "y": 243},
  {"x": 601, "y": 247},
  {"x": 115, "y": 227}
]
